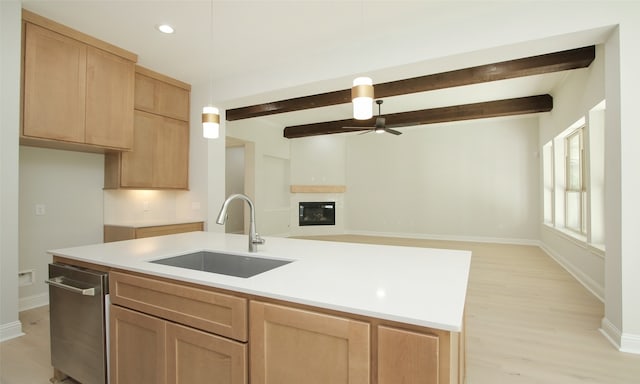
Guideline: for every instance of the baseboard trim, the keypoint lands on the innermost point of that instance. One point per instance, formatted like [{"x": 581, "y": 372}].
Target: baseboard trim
[
  {"x": 10, "y": 330},
  {"x": 630, "y": 343},
  {"x": 467, "y": 239},
  {"x": 33, "y": 301},
  {"x": 596, "y": 289},
  {"x": 624, "y": 342},
  {"x": 610, "y": 332}
]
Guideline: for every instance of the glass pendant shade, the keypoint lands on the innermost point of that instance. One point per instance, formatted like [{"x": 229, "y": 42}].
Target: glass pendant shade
[
  {"x": 210, "y": 122},
  {"x": 362, "y": 98}
]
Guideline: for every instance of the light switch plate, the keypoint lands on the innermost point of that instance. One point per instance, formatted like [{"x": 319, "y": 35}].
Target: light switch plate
[{"x": 41, "y": 209}]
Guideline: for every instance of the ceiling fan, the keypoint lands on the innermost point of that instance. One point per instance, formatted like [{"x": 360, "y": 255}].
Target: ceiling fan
[{"x": 380, "y": 124}]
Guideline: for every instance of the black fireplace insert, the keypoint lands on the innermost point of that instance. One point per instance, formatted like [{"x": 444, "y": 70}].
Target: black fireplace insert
[{"x": 317, "y": 213}]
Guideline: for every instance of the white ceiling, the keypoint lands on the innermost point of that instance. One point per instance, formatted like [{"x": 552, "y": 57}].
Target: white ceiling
[{"x": 267, "y": 50}]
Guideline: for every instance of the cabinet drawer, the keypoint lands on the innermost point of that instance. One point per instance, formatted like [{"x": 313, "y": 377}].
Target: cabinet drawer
[
  {"x": 214, "y": 312},
  {"x": 170, "y": 229}
]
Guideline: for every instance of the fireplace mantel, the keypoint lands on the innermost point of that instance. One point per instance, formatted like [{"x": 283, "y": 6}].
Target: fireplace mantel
[{"x": 318, "y": 188}]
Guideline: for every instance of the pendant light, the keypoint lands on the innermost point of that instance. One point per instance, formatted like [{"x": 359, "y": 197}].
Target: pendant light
[
  {"x": 211, "y": 114},
  {"x": 210, "y": 122},
  {"x": 362, "y": 98}
]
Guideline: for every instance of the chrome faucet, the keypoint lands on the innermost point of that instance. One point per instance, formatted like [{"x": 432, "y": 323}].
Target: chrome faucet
[{"x": 254, "y": 238}]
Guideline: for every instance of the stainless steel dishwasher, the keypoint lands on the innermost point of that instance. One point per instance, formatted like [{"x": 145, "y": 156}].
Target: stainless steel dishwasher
[{"x": 78, "y": 322}]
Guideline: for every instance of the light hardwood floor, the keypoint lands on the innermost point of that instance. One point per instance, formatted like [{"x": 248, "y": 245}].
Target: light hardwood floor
[{"x": 528, "y": 321}]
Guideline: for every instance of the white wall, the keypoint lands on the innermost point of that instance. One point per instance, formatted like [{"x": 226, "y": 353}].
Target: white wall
[
  {"x": 69, "y": 187},
  {"x": 10, "y": 24},
  {"x": 271, "y": 166},
  {"x": 234, "y": 174},
  {"x": 318, "y": 160},
  {"x": 194, "y": 204},
  {"x": 138, "y": 207},
  {"x": 475, "y": 180},
  {"x": 580, "y": 92},
  {"x": 622, "y": 185},
  {"x": 470, "y": 181}
]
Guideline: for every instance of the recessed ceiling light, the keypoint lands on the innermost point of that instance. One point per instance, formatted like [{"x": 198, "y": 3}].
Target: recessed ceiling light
[{"x": 165, "y": 28}]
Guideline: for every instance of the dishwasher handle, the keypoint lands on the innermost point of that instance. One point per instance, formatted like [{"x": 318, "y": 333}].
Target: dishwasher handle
[{"x": 57, "y": 282}]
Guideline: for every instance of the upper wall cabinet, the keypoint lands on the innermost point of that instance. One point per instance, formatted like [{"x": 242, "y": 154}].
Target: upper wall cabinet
[
  {"x": 78, "y": 92},
  {"x": 161, "y": 95},
  {"x": 160, "y": 155}
]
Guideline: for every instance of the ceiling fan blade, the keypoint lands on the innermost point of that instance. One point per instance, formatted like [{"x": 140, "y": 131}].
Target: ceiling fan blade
[
  {"x": 400, "y": 125},
  {"x": 392, "y": 131},
  {"x": 367, "y": 131},
  {"x": 359, "y": 128}
]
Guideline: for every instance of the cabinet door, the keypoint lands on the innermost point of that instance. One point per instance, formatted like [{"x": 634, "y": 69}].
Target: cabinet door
[
  {"x": 109, "y": 111},
  {"x": 138, "y": 164},
  {"x": 292, "y": 346},
  {"x": 407, "y": 357},
  {"x": 172, "y": 101},
  {"x": 144, "y": 93},
  {"x": 54, "y": 86},
  {"x": 160, "y": 155},
  {"x": 171, "y": 158},
  {"x": 196, "y": 357},
  {"x": 160, "y": 97},
  {"x": 137, "y": 347}
]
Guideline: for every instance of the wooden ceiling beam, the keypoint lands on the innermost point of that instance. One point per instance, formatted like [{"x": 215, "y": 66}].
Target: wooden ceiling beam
[
  {"x": 534, "y": 65},
  {"x": 507, "y": 107}
]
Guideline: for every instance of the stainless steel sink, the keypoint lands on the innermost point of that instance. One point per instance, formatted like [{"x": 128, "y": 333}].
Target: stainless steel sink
[{"x": 226, "y": 264}]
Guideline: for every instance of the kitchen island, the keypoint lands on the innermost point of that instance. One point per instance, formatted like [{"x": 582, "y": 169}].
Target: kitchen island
[{"x": 339, "y": 312}]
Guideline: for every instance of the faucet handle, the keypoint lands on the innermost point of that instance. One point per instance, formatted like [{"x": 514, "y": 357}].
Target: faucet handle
[{"x": 258, "y": 239}]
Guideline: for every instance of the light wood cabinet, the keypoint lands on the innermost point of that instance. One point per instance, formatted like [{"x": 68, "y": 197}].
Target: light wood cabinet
[
  {"x": 147, "y": 349},
  {"x": 160, "y": 155},
  {"x": 137, "y": 344},
  {"x": 291, "y": 346},
  {"x": 200, "y": 308},
  {"x": 75, "y": 95},
  {"x": 161, "y": 95},
  {"x": 123, "y": 232},
  {"x": 109, "y": 111},
  {"x": 54, "y": 85},
  {"x": 208, "y": 333},
  {"x": 196, "y": 357},
  {"x": 417, "y": 357},
  {"x": 163, "y": 332}
]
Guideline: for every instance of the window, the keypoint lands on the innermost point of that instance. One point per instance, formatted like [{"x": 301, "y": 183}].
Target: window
[
  {"x": 548, "y": 175},
  {"x": 573, "y": 179},
  {"x": 575, "y": 192}
]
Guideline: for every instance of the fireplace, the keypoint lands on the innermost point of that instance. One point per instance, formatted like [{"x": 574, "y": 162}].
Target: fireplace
[{"x": 317, "y": 213}]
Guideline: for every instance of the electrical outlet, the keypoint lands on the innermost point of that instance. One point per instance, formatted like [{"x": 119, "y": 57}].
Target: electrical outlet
[
  {"x": 41, "y": 210},
  {"x": 25, "y": 277},
  {"x": 145, "y": 206}
]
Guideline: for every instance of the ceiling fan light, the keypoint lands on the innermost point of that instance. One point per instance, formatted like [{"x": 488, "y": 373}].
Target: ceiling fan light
[
  {"x": 210, "y": 122},
  {"x": 362, "y": 98}
]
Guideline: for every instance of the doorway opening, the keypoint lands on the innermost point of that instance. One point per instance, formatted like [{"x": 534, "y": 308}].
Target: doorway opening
[{"x": 239, "y": 176}]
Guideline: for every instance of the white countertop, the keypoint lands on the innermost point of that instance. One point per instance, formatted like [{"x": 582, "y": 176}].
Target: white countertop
[{"x": 420, "y": 286}]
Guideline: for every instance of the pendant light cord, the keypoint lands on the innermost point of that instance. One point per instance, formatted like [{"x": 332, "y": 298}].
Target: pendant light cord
[{"x": 211, "y": 54}]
